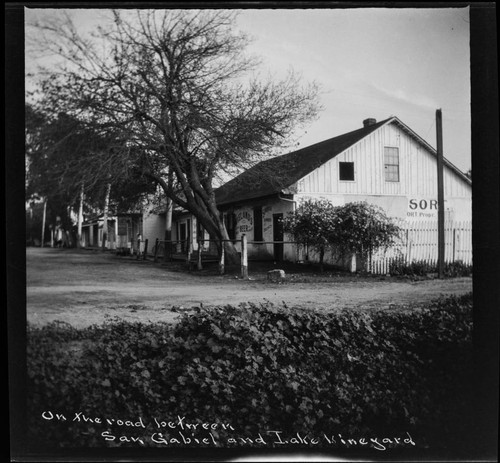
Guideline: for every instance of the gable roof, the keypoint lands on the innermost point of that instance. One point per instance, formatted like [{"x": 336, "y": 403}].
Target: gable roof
[{"x": 272, "y": 176}]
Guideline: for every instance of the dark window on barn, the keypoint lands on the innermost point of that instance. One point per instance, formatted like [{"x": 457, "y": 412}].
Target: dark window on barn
[
  {"x": 257, "y": 224},
  {"x": 391, "y": 164},
  {"x": 346, "y": 171}
]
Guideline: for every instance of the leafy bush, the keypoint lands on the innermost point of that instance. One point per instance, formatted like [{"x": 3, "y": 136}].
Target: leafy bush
[
  {"x": 423, "y": 268},
  {"x": 259, "y": 368},
  {"x": 354, "y": 228}
]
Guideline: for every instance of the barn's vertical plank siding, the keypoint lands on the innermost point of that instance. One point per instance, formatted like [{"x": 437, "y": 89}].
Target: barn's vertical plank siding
[{"x": 417, "y": 179}]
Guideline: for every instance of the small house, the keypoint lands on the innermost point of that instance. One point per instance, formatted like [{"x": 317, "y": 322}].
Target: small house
[{"x": 123, "y": 229}]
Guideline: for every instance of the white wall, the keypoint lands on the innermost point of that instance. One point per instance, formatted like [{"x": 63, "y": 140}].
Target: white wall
[
  {"x": 414, "y": 197},
  {"x": 153, "y": 226},
  {"x": 245, "y": 225},
  {"x": 409, "y": 208}
]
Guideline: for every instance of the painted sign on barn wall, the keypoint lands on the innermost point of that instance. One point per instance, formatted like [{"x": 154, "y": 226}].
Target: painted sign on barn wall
[{"x": 422, "y": 208}]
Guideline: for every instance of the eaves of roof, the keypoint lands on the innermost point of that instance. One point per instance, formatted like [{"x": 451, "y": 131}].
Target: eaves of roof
[
  {"x": 273, "y": 175},
  {"x": 432, "y": 150}
]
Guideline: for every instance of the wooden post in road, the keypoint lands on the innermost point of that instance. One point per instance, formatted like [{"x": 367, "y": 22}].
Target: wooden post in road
[
  {"x": 199, "y": 266},
  {"x": 244, "y": 257},
  {"x": 222, "y": 257}
]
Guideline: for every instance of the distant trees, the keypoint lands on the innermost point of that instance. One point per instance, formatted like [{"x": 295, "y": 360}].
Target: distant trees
[
  {"x": 354, "y": 228},
  {"x": 178, "y": 84},
  {"x": 69, "y": 161}
]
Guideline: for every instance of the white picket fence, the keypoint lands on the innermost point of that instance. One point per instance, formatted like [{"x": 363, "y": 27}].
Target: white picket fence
[{"x": 419, "y": 242}]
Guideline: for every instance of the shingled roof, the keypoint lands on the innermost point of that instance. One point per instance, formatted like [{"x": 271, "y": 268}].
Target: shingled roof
[{"x": 273, "y": 175}]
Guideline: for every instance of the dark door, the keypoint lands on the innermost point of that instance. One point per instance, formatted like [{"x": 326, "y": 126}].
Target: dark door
[
  {"x": 96, "y": 236},
  {"x": 182, "y": 236},
  {"x": 278, "y": 236}
]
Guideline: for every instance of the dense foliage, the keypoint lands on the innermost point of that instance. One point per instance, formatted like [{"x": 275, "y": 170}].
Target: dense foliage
[
  {"x": 362, "y": 228},
  {"x": 311, "y": 225},
  {"x": 354, "y": 228},
  {"x": 257, "y": 368}
]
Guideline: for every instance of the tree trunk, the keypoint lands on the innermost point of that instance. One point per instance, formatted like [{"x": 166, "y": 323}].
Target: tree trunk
[
  {"x": 352, "y": 267},
  {"x": 167, "y": 248},
  {"x": 168, "y": 219},
  {"x": 231, "y": 254},
  {"x": 80, "y": 220},
  {"x": 209, "y": 217},
  {"x": 105, "y": 216},
  {"x": 43, "y": 221},
  {"x": 321, "y": 258}
]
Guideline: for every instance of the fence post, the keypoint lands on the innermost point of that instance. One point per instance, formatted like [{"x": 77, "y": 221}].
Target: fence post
[
  {"x": 145, "y": 249},
  {"x": 200, "y": 247},
  {"x": 454, "y": 245},
  {"x": 188, "y": 254},
  {"x": 222, "y": 257},
  {"x": 244, "y": 257},
  {"x": 155, "y": 257},
  {"x": 168, "y": 251}
]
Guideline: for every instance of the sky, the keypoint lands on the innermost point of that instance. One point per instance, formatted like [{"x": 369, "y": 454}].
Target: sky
[{"x": 369, "y": 63}]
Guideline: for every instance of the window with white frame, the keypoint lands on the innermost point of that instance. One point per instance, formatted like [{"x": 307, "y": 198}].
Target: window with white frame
[{"x": 391, "y": 164}]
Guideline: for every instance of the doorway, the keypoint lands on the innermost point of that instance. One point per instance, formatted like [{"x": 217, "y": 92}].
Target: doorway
[
  {"x": 278, "y": 236},
  {"x": 183, "y": 236}
]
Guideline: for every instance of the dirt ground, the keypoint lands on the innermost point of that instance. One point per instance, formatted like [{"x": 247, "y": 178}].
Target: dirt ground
[{"x": 83, "y": 287}]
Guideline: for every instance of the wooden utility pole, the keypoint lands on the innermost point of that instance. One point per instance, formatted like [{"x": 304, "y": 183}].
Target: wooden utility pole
[{"x": 440, "y": 187}]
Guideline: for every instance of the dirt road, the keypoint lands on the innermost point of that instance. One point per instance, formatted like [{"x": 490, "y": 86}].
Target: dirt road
[{"x": 83, "y": 287}]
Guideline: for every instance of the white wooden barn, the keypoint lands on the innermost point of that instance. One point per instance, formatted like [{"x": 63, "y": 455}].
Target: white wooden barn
[{"x": 383, "y": 163}]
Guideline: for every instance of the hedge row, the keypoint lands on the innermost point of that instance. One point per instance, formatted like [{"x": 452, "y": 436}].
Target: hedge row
[{"x": 257, "y": 368}]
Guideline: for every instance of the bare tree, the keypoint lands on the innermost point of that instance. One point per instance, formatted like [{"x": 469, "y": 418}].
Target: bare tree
[{"x": 178, "y": 83}]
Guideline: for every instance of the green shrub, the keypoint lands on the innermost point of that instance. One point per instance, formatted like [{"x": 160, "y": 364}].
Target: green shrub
[{"x": 259, "y": 368}]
